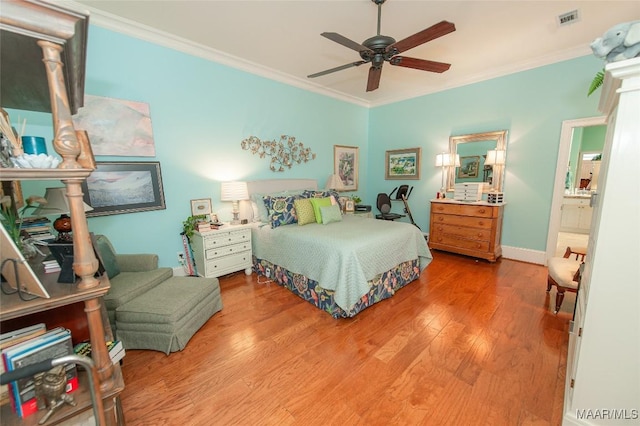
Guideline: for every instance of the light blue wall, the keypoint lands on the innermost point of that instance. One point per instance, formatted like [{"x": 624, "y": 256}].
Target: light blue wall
[
  {"x": 202, "y": 110},
  {"x": 531, "y": 105}
]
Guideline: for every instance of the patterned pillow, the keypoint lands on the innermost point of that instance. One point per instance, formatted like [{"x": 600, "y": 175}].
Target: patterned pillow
[
  {"x": 323, "y": 194},
  {"x": 317, "y": 203},
  {"x": 304, "y": 211},
  {"x": 281, "y": 209},
  {"x": 330, "y": 214}
]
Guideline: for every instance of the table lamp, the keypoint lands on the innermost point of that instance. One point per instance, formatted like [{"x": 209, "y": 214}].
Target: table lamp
[
  {"x": 334, "y": 182},
  {"x": 495, "y": 157},
  {"x": 446, "y": 160},
  {"x": 57, "y": 203},
  {"x": 234, "y": 192}
]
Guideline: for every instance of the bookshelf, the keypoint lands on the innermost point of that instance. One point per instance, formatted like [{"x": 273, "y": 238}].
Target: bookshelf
[{"x": 42, "y": 68}]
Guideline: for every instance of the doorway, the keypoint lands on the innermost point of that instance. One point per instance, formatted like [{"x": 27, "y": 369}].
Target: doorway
[{"x": 565, "y": 153}]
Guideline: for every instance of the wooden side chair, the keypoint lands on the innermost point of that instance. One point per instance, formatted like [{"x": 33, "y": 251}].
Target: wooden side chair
[{"x": 564, "y": 273}]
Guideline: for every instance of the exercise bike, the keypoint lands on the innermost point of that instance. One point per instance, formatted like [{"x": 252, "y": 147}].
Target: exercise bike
[{"x": 383, "y": 203}]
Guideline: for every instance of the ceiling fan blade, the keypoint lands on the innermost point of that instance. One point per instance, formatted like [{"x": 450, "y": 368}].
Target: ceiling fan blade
[
  {"x": 431, "y": 33},
  {"x": 340, "y": 39},
  {"x": 340, "y": 68},
  {"x": 374, "y": 78},
  {"x": 419, "y": 64}
]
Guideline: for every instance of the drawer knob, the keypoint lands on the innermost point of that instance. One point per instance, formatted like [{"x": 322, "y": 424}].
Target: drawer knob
[{"x": 482, "y": 210}]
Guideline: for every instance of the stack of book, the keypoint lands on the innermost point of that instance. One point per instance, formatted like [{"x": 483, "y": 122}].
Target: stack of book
[
  {"x": 38, "y": 228},
  {"x": 50, "y": 265},
  {"x": 115, "y": 348},
  {"x": 28, "y": 346}
]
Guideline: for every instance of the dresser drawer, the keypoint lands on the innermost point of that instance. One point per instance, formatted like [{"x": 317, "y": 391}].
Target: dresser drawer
[
  {"x": 452, "y": 241},
  {"x": 227, "y": 264},
  {"x": 462, "y": 210},
  {"x": 478, "y": 234},
  {"x": 471, "y": 222},
  {"x": 219, "y": 239},
  {"x": 215, "y": 252}
]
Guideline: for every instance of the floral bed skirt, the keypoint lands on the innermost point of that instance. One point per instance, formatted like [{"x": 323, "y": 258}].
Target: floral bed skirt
[{"x": 382, "y": 286}]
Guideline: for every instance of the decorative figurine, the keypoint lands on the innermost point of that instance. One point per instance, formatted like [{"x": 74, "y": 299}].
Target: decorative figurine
[{"x": 52, "y": 388}]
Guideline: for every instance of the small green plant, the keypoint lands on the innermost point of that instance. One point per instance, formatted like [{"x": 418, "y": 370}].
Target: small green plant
[
  {"x": 12, "y": 218},
  {"x": 597, "y": 82},
  {"x": 189, "y": 225},
  {"x": 356, "y": 199}
]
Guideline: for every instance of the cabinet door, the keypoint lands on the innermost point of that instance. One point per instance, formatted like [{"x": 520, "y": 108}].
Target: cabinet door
[
  {"x": 584, "y": 219},
  {"x": 570, "y": 216}
]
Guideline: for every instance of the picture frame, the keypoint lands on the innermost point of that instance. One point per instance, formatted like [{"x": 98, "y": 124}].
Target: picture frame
[
  {"x": 124, "y": 187},
  {"x": 349, "y": 206},
  {"x": 469, "y": 166},
  {"x": 345, "y": 165},
  {"x": 402, "y": 164},
  {"x": 20, "y": 276},
  {"x": 201, "y": 206}
]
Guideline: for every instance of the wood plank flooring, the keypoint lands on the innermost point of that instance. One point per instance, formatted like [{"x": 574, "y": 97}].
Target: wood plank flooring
[{"x": 470, "y": 343}]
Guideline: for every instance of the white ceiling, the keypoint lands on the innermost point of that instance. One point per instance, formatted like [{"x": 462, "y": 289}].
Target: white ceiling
[{"x": 281, "y": 39}]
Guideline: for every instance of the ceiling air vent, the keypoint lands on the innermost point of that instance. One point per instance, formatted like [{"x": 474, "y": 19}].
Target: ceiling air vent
[{"x": 568, "y": 18}]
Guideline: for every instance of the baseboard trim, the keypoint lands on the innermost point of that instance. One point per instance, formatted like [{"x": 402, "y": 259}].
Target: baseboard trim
[{"x": 524, "y": 255}]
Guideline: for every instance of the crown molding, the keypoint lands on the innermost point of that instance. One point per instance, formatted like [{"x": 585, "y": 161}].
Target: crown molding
[{"x": 134, "y": 29}]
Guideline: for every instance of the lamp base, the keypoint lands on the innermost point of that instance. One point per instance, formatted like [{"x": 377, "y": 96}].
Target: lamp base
[{"x": 236, "y": 218}]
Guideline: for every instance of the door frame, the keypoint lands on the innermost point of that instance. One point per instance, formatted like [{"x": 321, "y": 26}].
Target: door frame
[{"x": 566, "y": 135}]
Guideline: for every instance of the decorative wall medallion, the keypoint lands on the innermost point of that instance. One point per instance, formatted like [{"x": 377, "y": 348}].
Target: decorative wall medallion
[{"x": 283, "y": 153}]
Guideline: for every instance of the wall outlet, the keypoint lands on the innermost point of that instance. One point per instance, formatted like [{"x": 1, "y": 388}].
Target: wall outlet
[
  {"x": 267, "y": 271},
  {"x": 180, "y": 258}
]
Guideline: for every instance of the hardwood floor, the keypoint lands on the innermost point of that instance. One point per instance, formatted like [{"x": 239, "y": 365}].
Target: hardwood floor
[{"x": 470, "y": 343}]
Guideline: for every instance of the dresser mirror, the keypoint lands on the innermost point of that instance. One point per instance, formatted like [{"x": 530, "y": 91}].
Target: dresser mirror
[{"x": 482, "y": 159}]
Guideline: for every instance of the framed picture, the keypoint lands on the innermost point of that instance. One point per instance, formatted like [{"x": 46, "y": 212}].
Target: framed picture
[
  {"x": 201, "y": 206},
  {"x": 349, "y": 206},
  {"x": 124, "y": 187},
  {"x": 402, "y": 164},
  {"x": 345, "y": 165},
  {"x": 469, "y": 166}
]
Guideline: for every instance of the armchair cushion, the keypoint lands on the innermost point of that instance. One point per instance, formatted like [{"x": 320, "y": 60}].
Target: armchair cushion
[{"x": 137, "y": 262}]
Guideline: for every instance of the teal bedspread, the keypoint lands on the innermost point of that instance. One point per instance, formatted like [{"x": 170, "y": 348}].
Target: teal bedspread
[{"x": 342, "y": 256}]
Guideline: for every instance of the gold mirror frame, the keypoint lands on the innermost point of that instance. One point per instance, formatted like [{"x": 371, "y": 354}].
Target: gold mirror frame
[{"x": 500, "y": 137}]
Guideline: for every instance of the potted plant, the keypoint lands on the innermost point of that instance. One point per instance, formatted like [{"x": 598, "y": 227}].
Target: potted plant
[{"x": 189, "y": 225}]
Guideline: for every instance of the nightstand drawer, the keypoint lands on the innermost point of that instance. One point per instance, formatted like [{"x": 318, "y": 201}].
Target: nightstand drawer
[
  {"x": 225, "y": 238},
  {"x": 226, "y": 250}
]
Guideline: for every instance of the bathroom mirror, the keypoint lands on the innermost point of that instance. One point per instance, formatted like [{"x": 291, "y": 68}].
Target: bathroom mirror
[{"x": 482, "y": 159}]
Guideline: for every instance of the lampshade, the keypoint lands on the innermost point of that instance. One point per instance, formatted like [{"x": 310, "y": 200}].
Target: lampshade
[
  {"x": 334, "y": 182},
  {"x": 57, "y": 203},
  {"x": 234, "y": 191},
  {"x": 445, "y": 160},
  {"x": 495, "y": 157}
]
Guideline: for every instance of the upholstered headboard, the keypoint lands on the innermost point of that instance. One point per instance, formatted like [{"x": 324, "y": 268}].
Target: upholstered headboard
[
  {"x": 276, "y": 185},
  {"x": 268, "y": 186}
]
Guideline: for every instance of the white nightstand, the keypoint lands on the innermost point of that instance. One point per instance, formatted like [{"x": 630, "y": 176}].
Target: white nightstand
[{"x": 222, "y": 251}]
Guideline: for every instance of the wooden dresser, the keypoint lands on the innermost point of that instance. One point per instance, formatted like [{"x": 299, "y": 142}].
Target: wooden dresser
[{"x": 473, "y": 229}]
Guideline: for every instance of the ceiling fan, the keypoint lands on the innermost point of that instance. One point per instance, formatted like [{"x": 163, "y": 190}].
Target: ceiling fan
[{"x": 380, "y": 48}]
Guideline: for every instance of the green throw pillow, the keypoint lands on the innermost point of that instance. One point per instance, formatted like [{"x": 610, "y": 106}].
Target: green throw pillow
[
  {"x": 108, "y": 257},
  {"x": 317, "y": 203},
  {"x": 330, "y": 214},
  {"x": 304, "y": 210}
]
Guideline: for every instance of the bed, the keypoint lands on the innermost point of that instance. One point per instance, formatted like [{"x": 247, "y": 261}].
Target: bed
[{"x": 341, "y": 267}]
